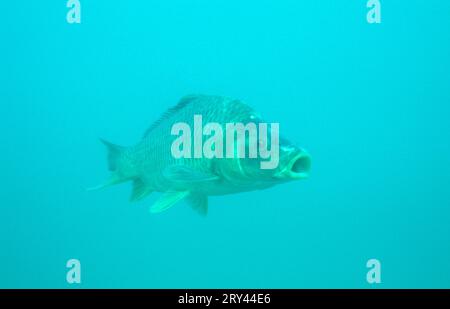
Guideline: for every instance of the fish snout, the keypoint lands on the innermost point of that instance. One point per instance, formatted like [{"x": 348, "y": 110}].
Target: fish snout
[{"x": 297, "y": 167}]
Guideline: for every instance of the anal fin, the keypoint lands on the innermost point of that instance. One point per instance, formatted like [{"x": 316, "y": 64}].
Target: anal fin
[{"x": 140, "y": 190}]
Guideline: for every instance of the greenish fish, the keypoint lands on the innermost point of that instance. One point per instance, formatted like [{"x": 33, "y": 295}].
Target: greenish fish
[{"x": 151, "y": 165}]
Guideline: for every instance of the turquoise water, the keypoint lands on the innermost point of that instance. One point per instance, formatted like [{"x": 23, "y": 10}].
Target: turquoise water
[{"x": 370, "y": 102}]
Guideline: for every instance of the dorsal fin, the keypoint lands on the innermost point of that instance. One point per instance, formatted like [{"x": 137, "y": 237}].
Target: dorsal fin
[{"x": 184, "y": 101}]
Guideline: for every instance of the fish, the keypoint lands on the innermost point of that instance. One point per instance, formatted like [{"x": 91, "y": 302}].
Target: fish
[{"x": 151, "y": 166}]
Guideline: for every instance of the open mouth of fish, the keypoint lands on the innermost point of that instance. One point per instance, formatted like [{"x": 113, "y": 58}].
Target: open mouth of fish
[{"x": 299, "y": 166}]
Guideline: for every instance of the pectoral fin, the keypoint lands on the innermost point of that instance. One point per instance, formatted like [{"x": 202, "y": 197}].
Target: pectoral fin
[
  {"x": 199, "y": 203},
  {"x": 185, "y": 174},
  {"x": 168, "y": 200}
]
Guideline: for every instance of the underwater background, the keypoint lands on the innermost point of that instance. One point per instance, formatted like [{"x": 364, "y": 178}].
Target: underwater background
[{"x": 370, "y": 103}]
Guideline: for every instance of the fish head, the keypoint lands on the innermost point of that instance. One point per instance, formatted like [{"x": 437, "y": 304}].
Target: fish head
[{"x": 293, "y": 163}]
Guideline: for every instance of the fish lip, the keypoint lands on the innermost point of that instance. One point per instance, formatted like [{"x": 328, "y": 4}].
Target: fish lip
[
  {"x": 297, "y": 168},
  {"x": 304, "y": 161}
]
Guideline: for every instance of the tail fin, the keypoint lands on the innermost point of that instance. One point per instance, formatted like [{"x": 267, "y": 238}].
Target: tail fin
[
  {"x": 118, "y": 164},
  {"x": 114, "y": 154}
]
